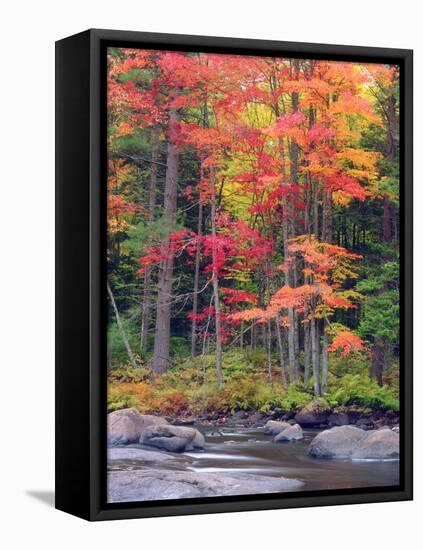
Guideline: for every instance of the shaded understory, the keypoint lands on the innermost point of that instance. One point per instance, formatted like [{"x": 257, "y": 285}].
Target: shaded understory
[{"x": 189, "y": 388}]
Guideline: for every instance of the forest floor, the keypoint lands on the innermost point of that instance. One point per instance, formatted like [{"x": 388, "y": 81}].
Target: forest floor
[{"x": 189, "y": 393}]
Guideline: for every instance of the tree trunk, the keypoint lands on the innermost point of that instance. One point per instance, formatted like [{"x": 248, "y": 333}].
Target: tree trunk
[
  {"x": 316, "y": 209},
  {"x": 291, "y": 345},
  {"x": 280, "y": 348},
  {"x": 196, "y": 283},
  {"x": 121, "y": 328},
  {"x": 164, "y": 287},
  {"x": 307, "y": 353},
  {"x": 294, "y": 154},
  {"x": 219, "y": 375},
  {"x": 315, "y": 354},
  {"x": 145, "y": 319},
  {"x": 378, "y": 360},
  {"x": 269, "y": 353},
  {"x": 387, "y": 220},
  {"x": 291, "y": 319},
  {"x": 325, "y": 358}
]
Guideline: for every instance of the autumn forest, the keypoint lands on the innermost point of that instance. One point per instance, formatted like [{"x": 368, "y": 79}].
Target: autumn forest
[{"x": 253, "y": 230}]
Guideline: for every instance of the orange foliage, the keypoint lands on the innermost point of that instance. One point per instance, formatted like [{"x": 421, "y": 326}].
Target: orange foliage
[{"x": 346, "y": 342}]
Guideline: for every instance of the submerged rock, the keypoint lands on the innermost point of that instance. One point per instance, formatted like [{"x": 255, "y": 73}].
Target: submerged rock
[
  {"x": 274, "y": 427},
  {"x": 127, "y": 486},
  {"x": 293, "y": 433},
  {"x": 126, "y": 426},
  {"x": 176, "y": 439},
  {"x": 132, "y": 453},
  {"x": 313, "y": 414},
  {"x": 257, "y": 418},
  {"x": 354, "y": 443}
]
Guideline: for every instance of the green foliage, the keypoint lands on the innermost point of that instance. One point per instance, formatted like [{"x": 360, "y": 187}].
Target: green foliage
[
  {"x": 119, "y": 399},
  {"x": 295, "y": 397},
  {"x": 117, "y": 353},
  {"x": 353, "y": 363},
  {"x": 380, "y": 311},
  {"x": 190, "y": 385},
  {"x": 356, "y": 389},
  {"x": 179, "y": 346},
  {"x": 257, "y": 357},
  {"x": 127, "y": 373},
  {"x": 236, "y": 160}
]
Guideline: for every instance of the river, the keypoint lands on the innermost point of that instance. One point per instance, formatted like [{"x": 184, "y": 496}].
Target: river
[
  {"x": 249, "y": 450},
  {"x": 240, "y": 450}
]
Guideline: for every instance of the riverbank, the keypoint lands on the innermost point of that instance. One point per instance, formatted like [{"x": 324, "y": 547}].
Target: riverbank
[
  {"x": 189, "y": 391},
  {"x": 338, "y": 416}
]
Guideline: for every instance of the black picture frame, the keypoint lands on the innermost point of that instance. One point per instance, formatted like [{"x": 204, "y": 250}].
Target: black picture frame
[{"x": 80, "y": 274}]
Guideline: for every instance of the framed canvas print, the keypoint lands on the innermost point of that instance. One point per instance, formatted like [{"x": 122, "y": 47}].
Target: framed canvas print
[{"x": 234, "y": 274}]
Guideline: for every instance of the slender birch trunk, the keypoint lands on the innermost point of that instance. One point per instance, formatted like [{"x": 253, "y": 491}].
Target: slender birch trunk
[
  {"x": 121, "y": 328},
  {"x": 269, "y": 353},
  {"x": 325, "y": 357},
  {"x": 216, "y": 299},
  {"x": 307, "y": 353},
  {"x": 315, "y": 353},
  {"x": 280, "y": 348},
  {"x": 196, "y": 283}
]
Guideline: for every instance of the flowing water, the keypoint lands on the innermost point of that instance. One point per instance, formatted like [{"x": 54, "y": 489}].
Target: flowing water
[{"x": 246, "y": 450}]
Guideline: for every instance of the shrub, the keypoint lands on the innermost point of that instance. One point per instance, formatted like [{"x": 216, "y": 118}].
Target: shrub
[
  {"x": 170, "y": 402},
  {"x": 356, "y": 389},
  {"x": 295, "y": 397},
  {"x": 129, "y": 374},
  {"x": 354, "y": 363},
  {"x": 118, "y": 399},
  {"x": 116, "y": 346},
  {"x": 257, "y": 357}
]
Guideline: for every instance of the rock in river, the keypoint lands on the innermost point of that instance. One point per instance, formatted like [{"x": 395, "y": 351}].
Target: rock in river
[
  {"x": 176, "y": 439},
  {"x": 355, "y": 443},
  {"x": 126, "y": 426},
  {"x": 137, "y": 454},
  {"x": 292, "y": 433},
  {"x": 338, "y": 442},
  {"x": 126, "y": 486},
  {"x": 380, "y": 444},
  {"x": 274, "y": 427}
]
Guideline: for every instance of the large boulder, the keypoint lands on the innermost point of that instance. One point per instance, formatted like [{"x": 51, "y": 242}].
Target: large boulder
[
  {"x": 365, "y": 423},
  {"x": 338, "y": 442},
  {"x": 126, "y": 426},
  {"x": 176, "y": 439},
  {"x": 140, "y": 485},
  {"x": 292, "y": 433},
  {"x": 381, "y": 444},
  {"x": 313, "y": 414},
  {"x": 355, "y": 443},
  {"x": 274, "y": 427}
]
